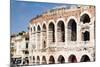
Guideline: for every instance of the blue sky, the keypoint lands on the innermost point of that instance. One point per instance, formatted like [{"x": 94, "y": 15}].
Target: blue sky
[{"x": 22, "y": 12}]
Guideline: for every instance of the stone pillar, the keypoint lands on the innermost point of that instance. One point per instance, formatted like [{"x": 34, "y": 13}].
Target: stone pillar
[
  {"x": 35, "y": 60},
  {"x": 66, "y": 28},
  {"x": 56, "y": 35},
  {"x": 92, "y": 33},
  {"x": 56, "y": 60},
  {"x": 79, "y": 33},
  {"x": 41, "y": 39},
  {"x": 22, "y": 60},
  {"x": 31, "y": 60},
  {"x": 36, "y": 39},
  {"x": 40, "y": 60},
  {"x": 47, "y": 37},
  {"x": 47, "y": 59}
]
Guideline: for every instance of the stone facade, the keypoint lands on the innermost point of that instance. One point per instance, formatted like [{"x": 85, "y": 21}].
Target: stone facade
[
  {"x": 59, "y": 36},
  {"x": 19, "y": 47},
  {"x": 63, "y": 35}
]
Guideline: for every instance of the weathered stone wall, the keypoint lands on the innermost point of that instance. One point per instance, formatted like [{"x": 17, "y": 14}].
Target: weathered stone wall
[{"x": 77, "y": 49}]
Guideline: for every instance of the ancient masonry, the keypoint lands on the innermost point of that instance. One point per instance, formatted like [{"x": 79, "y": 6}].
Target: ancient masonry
[{"x": 62, "y": 35}]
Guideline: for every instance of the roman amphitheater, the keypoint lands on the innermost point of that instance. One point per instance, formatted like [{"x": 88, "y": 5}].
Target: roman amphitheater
[{"x": 62, "y": 36}]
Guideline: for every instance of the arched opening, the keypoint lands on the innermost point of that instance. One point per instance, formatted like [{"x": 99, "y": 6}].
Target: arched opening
[
  {"x": 34, "y": 37},
  {"x": 38, "y": 29},
  {"x": 33, "y": 59},
  {"x": 38, "y": 36},
  {"x": 86, "y": 36},
  {"x": 44, "y": 44},
  {"x": 30, "y": 29},
  {"x": 72, "y": 59},
  {"x": 85, "y": 18},
  {"x": 51, "y": 60},
  {"x": 38, "y": 60},
  {"x": 61, "y": 31},
  {"x": 44, "y": 28},
  {"x": 72, "y": 30},
  {"x": 34, "y": 29},
  {"x": 26, "y": 61},
  {"x": 44, "y": 60},
  {"x": 61, "y": 59},
  {"x": 85, "y": 58},
  {"x": 44, "y": 36},
  {"x": 51, "y": 32}
]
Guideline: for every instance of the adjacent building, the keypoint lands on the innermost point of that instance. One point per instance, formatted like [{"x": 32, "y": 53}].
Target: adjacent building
[{"x": 19, "y": 48}]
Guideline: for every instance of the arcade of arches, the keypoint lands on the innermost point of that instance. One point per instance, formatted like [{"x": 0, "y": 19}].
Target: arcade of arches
[
  {"x": 58, "y": 32},
  {"x": 61, "y": 59}
]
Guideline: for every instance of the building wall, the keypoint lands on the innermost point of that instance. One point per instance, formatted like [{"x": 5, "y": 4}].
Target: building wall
[
  {"x": 19, "y": 46},
  {"x": 66, "y": 48}
]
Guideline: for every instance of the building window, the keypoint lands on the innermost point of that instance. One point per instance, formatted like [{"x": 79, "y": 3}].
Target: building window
[
  {"x": 31, "y": 29},
  {"x": 26, "y": 45},
  {"x": 85, "y": 18},
  {"x": 51, "y": 60},
  {"x": 86, "y": 36},
  {"x": 26, "y": 52},
  {"x": 61, "y": 31},
  {"x": 38, "y": 60},
  {"x": 72, "y": 59},
  {"x": 72, "y": 30},
  {"x": 33, "y": 59},
  {"x": 44, "y": 60},
  {"x": 44, "y": 34},
  {"x": 51, "y": 32},
  {"x": 34, "y": 28},
  {"x": 27, "y": 38},
  {"x": 85, "y": 58},
  {"x": 38, "y": 29},
  {"x": 44, "y": 28},
  {"x": 44, "y": 44},
  {"x": 61, "y": 59}
]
